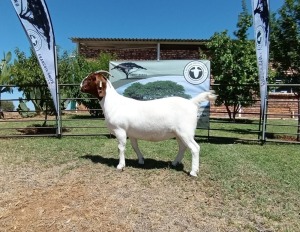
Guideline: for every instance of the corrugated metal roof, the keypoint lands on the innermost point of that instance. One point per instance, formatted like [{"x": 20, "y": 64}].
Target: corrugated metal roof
[
  {"x": 133, "y": 43},
  {"x": 78, "y": 39}
]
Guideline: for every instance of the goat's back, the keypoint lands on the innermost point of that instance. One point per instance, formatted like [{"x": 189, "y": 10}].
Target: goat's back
[{"x": 155, "y": 119}]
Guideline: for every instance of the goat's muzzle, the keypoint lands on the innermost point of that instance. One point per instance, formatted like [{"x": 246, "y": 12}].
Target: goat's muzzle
[{"x": 83, "y": 89}]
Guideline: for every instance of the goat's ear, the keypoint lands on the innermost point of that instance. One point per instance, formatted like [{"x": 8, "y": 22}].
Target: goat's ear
[{"x": 101, "y": 86}]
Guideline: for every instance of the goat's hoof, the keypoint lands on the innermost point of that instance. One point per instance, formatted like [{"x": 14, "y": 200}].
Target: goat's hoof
[
  {"x": 174, "y": 164},
  {"x": 141, "y": 162},
  {"x": 193, "y": 173},
  {"x": 177, "y": 165},
  {"x": 120, "y": 167}
]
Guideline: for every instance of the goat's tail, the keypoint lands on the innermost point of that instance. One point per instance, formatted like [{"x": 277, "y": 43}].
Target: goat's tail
[{"x": 206, "y": 96}]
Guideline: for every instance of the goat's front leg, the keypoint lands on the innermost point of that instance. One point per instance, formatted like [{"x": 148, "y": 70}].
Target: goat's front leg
[
  {"x": 135, "y": 147},
  {"x": 121, "y": 137}
]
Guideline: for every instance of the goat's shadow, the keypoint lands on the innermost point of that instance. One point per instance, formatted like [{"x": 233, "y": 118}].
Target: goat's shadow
[
  {"x": 223, "y": 140},
  {"x": 149, "y": 163}
]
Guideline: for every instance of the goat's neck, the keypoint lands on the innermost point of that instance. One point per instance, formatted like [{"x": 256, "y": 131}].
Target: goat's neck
[{"x": 111, "y": 100}]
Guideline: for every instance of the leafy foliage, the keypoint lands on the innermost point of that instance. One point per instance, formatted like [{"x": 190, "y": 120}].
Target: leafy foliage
[
  {"x": 28, "y": 76},
  {"x": 5, "y": 74},
  {"x": 24, "y": 111},
  {"x": 5, "y": 71},
  {"x": 285, "y": 47},
  {"x": 285, "y": 43},
  {"x": 7, "y": 106},
  {"x": 155, "y": 90},
  {"x": 234, "y": 66}
]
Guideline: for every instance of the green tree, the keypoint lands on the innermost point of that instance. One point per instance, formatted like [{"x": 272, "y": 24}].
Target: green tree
[
  {"x": 5, "y": 74},
  {"x": 28, "y": 76},
  {"x": 155, "y": 90},
  {"x": 285, "y": 46},
  {"x": 234, "y": 66}
]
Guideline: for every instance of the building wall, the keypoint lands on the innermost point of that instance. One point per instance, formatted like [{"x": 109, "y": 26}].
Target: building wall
[
  {"x": 280, "y": 105},
  {"x": 146, "y": 54}
]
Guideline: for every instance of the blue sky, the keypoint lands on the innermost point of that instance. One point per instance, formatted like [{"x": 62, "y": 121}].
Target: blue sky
[
  {"x": 189, "y": 19},
  {"x": 155, "y": 19}
]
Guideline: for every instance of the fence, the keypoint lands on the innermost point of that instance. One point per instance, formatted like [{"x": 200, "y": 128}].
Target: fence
[{"x": 282, "y": 121}]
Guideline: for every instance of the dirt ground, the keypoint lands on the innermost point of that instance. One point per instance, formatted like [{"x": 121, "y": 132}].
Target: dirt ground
[
  {"x": 93, "y": 196},
  {"x": 88, "y": 194}
]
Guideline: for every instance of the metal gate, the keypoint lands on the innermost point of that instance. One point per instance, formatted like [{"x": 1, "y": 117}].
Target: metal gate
[{"x": 76, "y": 120}]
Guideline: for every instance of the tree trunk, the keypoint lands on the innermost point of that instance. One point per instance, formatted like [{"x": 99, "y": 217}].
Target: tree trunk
[
  {"x": 46, "y": 115},
  {"x": 228, "y": 112},
  {"x": 236, "y": 109}
]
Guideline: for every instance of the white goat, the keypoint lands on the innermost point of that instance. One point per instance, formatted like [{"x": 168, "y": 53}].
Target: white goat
[{"x": 153, "y": 120}]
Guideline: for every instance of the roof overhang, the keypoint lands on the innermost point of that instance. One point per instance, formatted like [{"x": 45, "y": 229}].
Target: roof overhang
[{"x": 123, "y": 43}]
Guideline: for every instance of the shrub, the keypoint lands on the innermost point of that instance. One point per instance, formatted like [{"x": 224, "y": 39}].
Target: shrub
[{"x": 7, "y": 106}]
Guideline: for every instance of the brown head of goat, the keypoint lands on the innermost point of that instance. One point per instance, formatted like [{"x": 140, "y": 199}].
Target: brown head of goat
[{"x": 95, "y": 84}]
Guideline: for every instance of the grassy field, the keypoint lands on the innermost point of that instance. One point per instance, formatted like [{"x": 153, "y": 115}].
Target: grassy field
[{"x": 71, "y": 184}]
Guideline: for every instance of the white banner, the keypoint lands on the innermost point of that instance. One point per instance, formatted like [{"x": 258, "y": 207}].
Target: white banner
[
  {"x": 146, "y": 80},
  {"x": 36, "y": 21},
  {"x": 261, "y": 33}
]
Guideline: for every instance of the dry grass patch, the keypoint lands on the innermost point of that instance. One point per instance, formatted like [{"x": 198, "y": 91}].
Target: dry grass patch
[{"x": 72, "y": 185}]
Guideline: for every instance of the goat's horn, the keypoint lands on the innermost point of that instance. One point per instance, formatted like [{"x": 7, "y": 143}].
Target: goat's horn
[{"x": 104, "y": 71}]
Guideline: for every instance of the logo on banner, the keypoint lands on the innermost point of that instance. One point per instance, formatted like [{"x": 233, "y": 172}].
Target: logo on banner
[
  {"x": 259, "y": 37},
  {"x": 195, "y": 72},
  {"x": 262, "y": 11},
  {"x": 35, "y": 39}
]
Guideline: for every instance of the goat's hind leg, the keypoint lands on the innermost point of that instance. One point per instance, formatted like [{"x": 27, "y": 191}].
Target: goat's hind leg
[
  {"x": 135, "y": 147},
  {"x": 181, "y": 150},
  {"x": 195, "y": 150}
]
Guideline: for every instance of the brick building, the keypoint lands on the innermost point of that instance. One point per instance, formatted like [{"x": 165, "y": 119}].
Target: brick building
[
  {"x": 281, "y": 105},
  {"x": 142, "y": 49}
]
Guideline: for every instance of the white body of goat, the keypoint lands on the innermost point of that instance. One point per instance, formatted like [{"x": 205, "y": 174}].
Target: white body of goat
[{"x": 154, "y": 120}]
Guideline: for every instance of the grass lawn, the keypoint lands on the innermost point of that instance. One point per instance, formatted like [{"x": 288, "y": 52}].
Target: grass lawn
[{"x": 71, "y": 184}]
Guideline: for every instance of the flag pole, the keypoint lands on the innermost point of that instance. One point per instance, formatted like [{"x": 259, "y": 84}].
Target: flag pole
[
  {"x": 35, "y": 19},
  {"x": 260, "y": 10},
  {"x": 58, "y": 110},
  {"x": 264, "y": 120}
]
